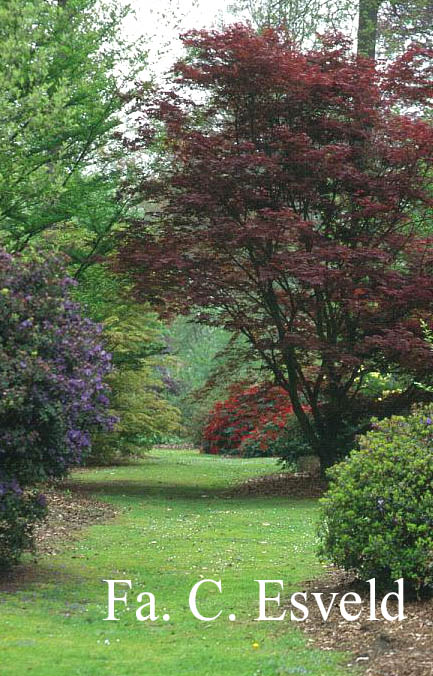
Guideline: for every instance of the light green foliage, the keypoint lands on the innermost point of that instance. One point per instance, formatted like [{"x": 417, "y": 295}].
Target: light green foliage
[
  {"x": 175, "y": 525},
  {"x": 145, "y": 416},
  {"x": 208, "y": 360},
  {"x": 96, "y": 213},
  {"x": 427, "y": 333},
  {"x": 60, "y": 101},
  {"x": 135, "y": 337},
  {"x": 377, "y": 515},
  {"x": 196, "y": 346},
  {"x": 402, "y": 22},
  {"x": 381, "y": 385},
  {"x": 133, "y": 331}
]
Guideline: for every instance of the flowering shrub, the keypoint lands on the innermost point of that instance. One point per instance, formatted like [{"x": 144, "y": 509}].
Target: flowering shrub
[
  {"x": 377, "y": 515},
  {"x": 52, "y": 390},
  {"x": 252, "y": 421}
]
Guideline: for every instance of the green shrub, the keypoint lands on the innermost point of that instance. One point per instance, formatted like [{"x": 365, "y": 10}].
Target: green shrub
[
  {"x": 377, "y": 515},
  {"x": 19, "y": 514},
  {"x": 145, "y": 418},
  {"x": 138, "y": 388}
]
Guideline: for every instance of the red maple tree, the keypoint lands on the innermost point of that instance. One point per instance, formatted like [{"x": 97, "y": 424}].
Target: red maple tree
[{"x": 293, "y": 190}]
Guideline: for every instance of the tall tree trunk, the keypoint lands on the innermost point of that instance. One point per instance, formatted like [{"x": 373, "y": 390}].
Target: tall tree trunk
[{"x": 367, "y": 27}]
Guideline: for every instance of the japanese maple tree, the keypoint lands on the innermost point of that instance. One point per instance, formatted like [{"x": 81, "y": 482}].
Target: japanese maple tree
[{"x": 292, "y": 191}]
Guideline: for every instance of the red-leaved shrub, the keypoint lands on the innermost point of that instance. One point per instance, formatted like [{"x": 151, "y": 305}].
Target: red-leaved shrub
[{"x": 253, "y": 420}]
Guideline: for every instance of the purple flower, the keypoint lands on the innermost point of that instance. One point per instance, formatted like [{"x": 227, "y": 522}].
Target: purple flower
[
  {"x": 69, "y": 281},
  {"x": 46, "y": 419},
  {"x": 15, "y": 487}
]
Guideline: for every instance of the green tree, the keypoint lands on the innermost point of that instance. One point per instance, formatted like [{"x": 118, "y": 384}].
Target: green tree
[
  {"x": 208, "y": 360},
  {"x": 367, "y": 27},
  {"x": 62, "y": 96},
  {"x": 136, "y": 338}
]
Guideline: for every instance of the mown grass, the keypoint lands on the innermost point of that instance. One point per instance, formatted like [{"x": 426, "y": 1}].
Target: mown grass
[{"x": 176, "y": 526}]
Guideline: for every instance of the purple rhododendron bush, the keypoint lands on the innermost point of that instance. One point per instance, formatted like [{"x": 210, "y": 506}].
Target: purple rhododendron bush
[{"x": 52, "y": 390}]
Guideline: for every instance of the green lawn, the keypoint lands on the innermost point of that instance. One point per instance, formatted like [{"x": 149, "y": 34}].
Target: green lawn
[{"x": 176, "y": 527}]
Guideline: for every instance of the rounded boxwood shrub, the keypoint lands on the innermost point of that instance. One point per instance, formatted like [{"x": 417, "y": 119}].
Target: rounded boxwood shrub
[
  {"x": 52, "y": 388},
  {"x": 377, "y": 515}
]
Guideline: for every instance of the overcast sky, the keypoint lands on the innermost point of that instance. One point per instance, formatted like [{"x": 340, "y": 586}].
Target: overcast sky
[{"x": 163, "y": 20}]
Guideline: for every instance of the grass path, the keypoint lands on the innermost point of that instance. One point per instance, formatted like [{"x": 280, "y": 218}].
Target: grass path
[{"x": 176, "y": 527}]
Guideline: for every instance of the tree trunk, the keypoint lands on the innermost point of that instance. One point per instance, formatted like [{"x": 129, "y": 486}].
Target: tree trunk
[
  {"x": 328, "y": 455},
  {"x": 367, "y": 27}
]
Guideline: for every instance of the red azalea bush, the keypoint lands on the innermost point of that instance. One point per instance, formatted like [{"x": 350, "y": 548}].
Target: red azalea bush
[{"x": 254, "y": 420}]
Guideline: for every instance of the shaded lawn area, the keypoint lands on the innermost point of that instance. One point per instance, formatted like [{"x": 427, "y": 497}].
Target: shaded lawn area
[{"x": 176, "y": 525}]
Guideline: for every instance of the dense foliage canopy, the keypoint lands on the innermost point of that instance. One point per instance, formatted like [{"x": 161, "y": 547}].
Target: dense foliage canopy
[
  {"x": 65, "y": 71},
  {"x": 136, "y": 340},
  {"x": 292, "y": 195}
]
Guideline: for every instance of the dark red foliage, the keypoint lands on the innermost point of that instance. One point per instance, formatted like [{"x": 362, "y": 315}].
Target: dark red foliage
[{"x": 292, "y": 193}]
